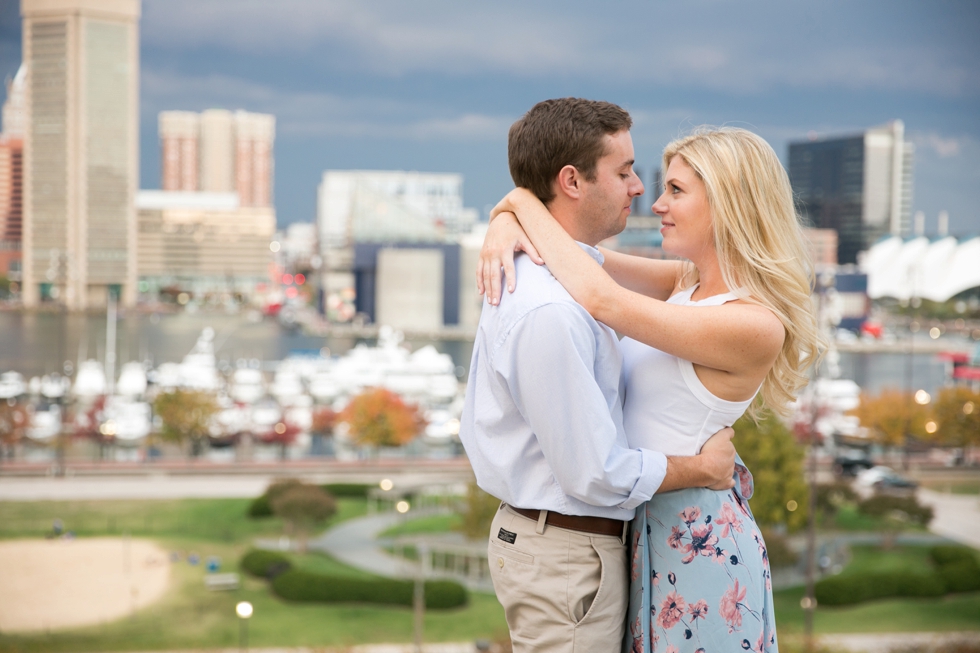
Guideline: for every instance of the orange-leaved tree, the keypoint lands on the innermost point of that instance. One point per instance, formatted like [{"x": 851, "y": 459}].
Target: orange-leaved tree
[
  {"x": 380, "y": 418},
  {"x": 893, "y": 416},
  {"x": 957, "y": 414}
]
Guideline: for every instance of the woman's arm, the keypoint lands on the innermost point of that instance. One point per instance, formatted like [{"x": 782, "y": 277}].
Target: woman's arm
[
  {"x": 505, "y": 237},
  {"x": 739, "y": 338}
]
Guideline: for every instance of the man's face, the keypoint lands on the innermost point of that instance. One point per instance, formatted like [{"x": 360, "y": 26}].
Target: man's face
[{"x": 606, "y": 202}]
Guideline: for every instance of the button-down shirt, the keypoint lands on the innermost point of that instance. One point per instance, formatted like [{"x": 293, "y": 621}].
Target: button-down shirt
[{"x": 543, "y": 418}]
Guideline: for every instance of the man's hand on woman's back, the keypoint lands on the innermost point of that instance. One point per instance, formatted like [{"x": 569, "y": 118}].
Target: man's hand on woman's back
[{"x": 718, "y": 456}]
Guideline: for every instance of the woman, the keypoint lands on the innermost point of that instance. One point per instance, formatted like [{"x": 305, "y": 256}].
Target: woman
[{"x": 702, "y": 339}]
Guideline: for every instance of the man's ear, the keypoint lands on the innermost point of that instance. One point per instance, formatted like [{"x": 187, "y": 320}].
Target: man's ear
[{"x": 569, "y": 182}]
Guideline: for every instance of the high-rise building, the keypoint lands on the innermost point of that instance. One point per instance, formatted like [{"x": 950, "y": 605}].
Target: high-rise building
[
  {"x": 180, "y": 149},
  {"x": 218, "y": 151},
  {"x": 80, "y": 150},
  {"x": 860, "y": 186},
  {"x": 358, "y": 207},
  {"x": 12, "y": 178}
]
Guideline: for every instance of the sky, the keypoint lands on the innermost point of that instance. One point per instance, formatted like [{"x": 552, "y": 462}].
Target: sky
[{"x": 433, "y": 85}]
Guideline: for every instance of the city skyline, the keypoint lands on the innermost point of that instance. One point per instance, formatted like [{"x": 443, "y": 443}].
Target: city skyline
[{"x": 376, "y": 86}]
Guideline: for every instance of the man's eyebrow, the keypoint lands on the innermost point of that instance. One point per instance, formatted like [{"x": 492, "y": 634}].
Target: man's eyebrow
[{"x": 628, "y": 164}]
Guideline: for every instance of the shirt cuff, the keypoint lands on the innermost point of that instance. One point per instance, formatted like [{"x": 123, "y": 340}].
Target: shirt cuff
[{"x": 652, "y": 473}]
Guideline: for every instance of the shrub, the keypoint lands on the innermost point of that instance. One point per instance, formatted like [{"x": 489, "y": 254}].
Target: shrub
[
  {"x": 831, "y": 496},
  {"x": 945, "y": 554},
  {"x": 921, "y": 585},
  {"x": 882, "y": 505},
  {"x": 349, "y": 490},
  {"x": 961, "y": 576},
  {"x": 265, "y": 564},
  {"x": 856, "y": 588},
  {"x": 295, "y": 585},
  {"x": 262, "y": 506}
]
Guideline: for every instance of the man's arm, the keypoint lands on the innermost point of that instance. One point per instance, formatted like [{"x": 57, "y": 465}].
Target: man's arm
[{"x": 713, "y": 468}]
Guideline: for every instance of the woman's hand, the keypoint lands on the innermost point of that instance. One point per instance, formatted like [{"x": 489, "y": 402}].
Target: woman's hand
[{"x": 504, "y": 237}]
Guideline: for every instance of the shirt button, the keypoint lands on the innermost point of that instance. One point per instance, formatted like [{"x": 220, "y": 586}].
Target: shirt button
[{"x": 500, "y": 562}]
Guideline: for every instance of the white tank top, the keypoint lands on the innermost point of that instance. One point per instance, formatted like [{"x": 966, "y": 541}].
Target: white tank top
[{"x": 666, "y": 407}]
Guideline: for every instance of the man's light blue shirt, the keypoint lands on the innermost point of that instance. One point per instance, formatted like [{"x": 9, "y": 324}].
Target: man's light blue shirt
[{"x": 543, "y": 418}]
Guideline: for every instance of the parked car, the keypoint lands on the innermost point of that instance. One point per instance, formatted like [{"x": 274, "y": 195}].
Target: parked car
[
  {"x": 852, "y": 461},
  {"x": 884, "y": 478}
]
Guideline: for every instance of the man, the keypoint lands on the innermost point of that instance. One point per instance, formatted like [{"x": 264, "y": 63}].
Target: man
[{"x": 542, "y": 423}]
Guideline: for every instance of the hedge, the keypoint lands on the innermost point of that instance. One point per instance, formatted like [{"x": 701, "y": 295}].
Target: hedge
[
  {"x": 265, "y": 564},
  {"x": 944, "y": 555},
  {"x": 297, "y": 585},
  {"x": 881, "y": 505},
  {"x": 957, "y": 570},
  {"x": 262, "y": 507}
]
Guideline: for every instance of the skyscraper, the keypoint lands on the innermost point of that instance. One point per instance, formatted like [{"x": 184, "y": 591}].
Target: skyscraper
[
  {"x": 218, "y": 151},
  {"x": 860, "y": 186},
  {"x": 80, "y": 150},
  {"x": 12, "y": 177}
]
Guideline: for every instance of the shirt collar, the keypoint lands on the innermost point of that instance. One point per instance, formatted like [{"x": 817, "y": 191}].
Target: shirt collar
[{"x": 593, "y": 252}]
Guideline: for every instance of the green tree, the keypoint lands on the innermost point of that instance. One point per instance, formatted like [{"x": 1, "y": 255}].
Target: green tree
[
  {"x": 380, "y": 418},
  {"x": 957, "y": 415},
  {"x": 186, "y": 416},
  {"x": 477, "y": 512},
  {"x": 775, "y": 459},
  {"x": 302, "y": 507}
]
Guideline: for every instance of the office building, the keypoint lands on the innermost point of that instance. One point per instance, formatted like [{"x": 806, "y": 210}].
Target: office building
[
  {"x": 80, "y": 150},
  {"x": 860, "y": 186},
  {"x": 12, "y": 177},
  {"x": 361, "y": 207},
  {"x": 202, "y": 243},
  {"x": 218, "y": 151}
]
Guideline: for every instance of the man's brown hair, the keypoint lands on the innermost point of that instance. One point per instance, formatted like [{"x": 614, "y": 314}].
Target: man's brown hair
[{"x": 557, "y": 133}]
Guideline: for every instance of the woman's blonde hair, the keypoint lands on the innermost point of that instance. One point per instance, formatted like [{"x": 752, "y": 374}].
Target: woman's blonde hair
[{"x": 760, "y": 245}]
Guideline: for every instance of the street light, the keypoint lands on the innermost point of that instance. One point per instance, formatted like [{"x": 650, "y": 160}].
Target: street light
[{"x": 244, "y": 611}]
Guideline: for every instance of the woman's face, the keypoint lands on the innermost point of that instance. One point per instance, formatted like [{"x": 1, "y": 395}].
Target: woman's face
[{"x": 685, "y": 212}]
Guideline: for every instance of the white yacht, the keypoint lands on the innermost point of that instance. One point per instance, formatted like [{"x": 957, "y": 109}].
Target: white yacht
[
  {"x": 247, "y": 385},
  {"x": 132, "y": 380},
  {"x": 12, "y": 385},
  {"x": 90, "y": 381}
]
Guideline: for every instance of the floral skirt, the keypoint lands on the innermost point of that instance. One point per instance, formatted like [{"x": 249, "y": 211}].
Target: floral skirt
[{"x": 699, "y": 579}]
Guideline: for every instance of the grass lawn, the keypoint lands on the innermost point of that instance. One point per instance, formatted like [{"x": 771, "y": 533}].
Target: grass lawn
[
  {"x": 190, "y": 617},
  {"x": 950, "y": 613},
  {"x": 958, "y": 487},
  {"x": 425, "y": 525}
]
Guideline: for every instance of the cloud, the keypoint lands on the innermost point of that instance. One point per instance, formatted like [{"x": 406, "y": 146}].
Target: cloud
[
  {"x": 944, "y": 147},
  {"x": 312, "y": 114},
  {"x": 747, "y": 50}
]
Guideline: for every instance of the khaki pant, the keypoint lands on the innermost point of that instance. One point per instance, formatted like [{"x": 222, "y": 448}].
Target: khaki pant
[{"x": 562, "y": 590}]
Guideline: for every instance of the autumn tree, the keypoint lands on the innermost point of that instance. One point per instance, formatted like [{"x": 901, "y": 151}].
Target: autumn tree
[
  {"x": 892, "y": 416},
  {"x": 477, "y": 512},
  {"x": 957, "y": 415},
  {"x": 324, "y": 419},
  {"x": 775, "y": 459},
  {"x": 380, "y": 418},
  {"x": 186, "y": 416},
  {"x": 283, "y": 433},
  {"x": 14, "y": 421},
  {"x": 302, "y": 507}
]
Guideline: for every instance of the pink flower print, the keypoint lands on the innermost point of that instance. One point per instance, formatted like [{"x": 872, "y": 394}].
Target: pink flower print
[
  {"x": 729, "y": 520},
  {"x": 671, "y": 611},
  {"x": 690, "y": 514},
  {"x": 729, "y": 608},
  {"x": 636, "y": 630},
  {"x": 672, "y": 649},
  {"x": 698, "y": 610},
  {"x": 745, "y": 482},
  {"x": 676, "y": 538},
  {"x": 702, "y": 543}
]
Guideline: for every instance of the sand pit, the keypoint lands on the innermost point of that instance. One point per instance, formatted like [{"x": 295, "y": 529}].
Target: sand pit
[{"x": 54, "y": 584}]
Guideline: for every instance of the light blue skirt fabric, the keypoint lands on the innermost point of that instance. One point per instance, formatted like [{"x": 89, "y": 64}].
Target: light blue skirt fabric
[{"x": 699, "y": 577}]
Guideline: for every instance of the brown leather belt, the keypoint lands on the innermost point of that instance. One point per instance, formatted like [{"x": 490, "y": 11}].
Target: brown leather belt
[{"x": 594, "y": 525}]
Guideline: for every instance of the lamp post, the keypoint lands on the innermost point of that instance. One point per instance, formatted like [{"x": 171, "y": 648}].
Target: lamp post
[{"x": 244, "y": 612}]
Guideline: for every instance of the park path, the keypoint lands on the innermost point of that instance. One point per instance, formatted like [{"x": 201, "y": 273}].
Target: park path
[
  {"x": 355, "y": 542},
  {"x": 957, "y": 516}
]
